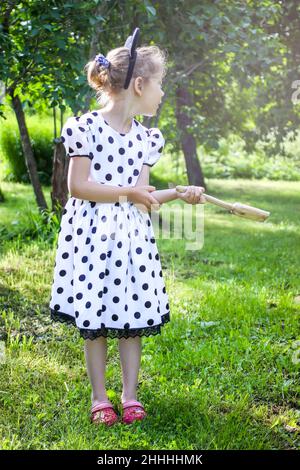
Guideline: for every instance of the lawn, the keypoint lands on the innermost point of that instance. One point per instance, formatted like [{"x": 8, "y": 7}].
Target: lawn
[{"x": 224, "y": 373}]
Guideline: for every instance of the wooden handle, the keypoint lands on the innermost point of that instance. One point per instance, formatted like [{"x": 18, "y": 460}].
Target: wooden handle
[{"x": 242, "y": 210}]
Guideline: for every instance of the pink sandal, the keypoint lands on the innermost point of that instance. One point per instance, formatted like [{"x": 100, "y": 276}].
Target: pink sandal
[
  {"x": 133, "y": 411},
  {"x": 103, "y": 412}
]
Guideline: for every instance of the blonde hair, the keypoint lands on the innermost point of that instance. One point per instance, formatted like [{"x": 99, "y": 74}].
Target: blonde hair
[{"x": 150, "y": 61}]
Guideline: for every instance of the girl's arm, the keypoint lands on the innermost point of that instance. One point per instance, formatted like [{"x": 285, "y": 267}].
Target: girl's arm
[
  {"x": 165, "y": 195},
  {"x": 161, "y": 195},
  {"x": 81, "y": 187},
  {"x": 192, "y": 195}
]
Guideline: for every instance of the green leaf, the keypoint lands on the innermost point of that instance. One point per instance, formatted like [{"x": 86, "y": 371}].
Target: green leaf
[{"x": 151, "y": 10}]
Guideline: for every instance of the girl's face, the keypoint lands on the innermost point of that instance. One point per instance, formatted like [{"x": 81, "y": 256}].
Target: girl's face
[{"x": 152, "y": 96}]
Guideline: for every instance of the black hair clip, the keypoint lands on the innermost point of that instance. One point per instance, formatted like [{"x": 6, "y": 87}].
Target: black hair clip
[{"x": 131, "y": 43}]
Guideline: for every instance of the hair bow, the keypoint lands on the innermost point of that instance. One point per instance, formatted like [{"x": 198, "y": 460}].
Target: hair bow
[{"x": 100, "y": 59}]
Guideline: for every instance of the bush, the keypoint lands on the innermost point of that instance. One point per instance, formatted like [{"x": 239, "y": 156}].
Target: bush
[
  {"x": 12, "y": 159},
  {"x": 231, "y": 160}
]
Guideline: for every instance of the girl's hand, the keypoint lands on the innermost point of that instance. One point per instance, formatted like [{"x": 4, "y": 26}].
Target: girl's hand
[
  {"x": 192, "y": 195},
  {"x": 140, "y": 195}
]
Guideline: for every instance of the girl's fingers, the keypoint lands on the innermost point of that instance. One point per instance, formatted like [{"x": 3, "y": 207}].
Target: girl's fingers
[
  {"x": 199, "y": 194},
  {"x": 190, "y": 195},
  {"x": 153, "y": 200},
  {"x": 187, "y": 194},
  {"x": 153, "y": 204},
  {"x": 194, "y": 195}
]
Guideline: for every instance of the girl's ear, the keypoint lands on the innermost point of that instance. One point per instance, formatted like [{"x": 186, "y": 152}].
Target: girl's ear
[{"x": 138, "y": 85}]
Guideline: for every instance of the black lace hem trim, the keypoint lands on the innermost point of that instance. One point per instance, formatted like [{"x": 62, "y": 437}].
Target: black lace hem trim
[{"x": 110, "y": 332}]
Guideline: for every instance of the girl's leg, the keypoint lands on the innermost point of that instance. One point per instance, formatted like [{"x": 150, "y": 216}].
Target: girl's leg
[
  {"x": 95, "y": 355},
  {"x": 130, "y": 355}
]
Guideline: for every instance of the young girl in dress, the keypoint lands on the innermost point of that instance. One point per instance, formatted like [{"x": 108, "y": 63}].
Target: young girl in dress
[{"x": 108, "y": 278}]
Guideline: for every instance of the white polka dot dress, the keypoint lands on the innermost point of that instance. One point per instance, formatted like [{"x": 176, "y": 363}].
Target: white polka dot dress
[{"x": 108, "y": 278}]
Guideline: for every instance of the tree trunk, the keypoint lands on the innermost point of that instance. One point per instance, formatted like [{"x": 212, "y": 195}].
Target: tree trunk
[
  {"x": 59, "y": 193},
  {"x": 194, "y": 171},
  {"x": 28, "y": 153}
]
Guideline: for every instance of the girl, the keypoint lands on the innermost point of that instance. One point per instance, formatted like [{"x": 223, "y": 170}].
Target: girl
[{"x": 107, "y": 275}]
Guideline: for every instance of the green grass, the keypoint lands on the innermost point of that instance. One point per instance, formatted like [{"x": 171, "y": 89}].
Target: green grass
[{"x": 222, "y": 375}]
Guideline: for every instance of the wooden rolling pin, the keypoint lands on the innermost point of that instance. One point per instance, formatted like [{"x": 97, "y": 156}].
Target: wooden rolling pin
[{"x": 242, "y": 210}]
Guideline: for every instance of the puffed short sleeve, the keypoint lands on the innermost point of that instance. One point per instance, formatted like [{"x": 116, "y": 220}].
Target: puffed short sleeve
[
  {"x": 77, "y": 138},
  {"x": 156, "y": 144}
]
